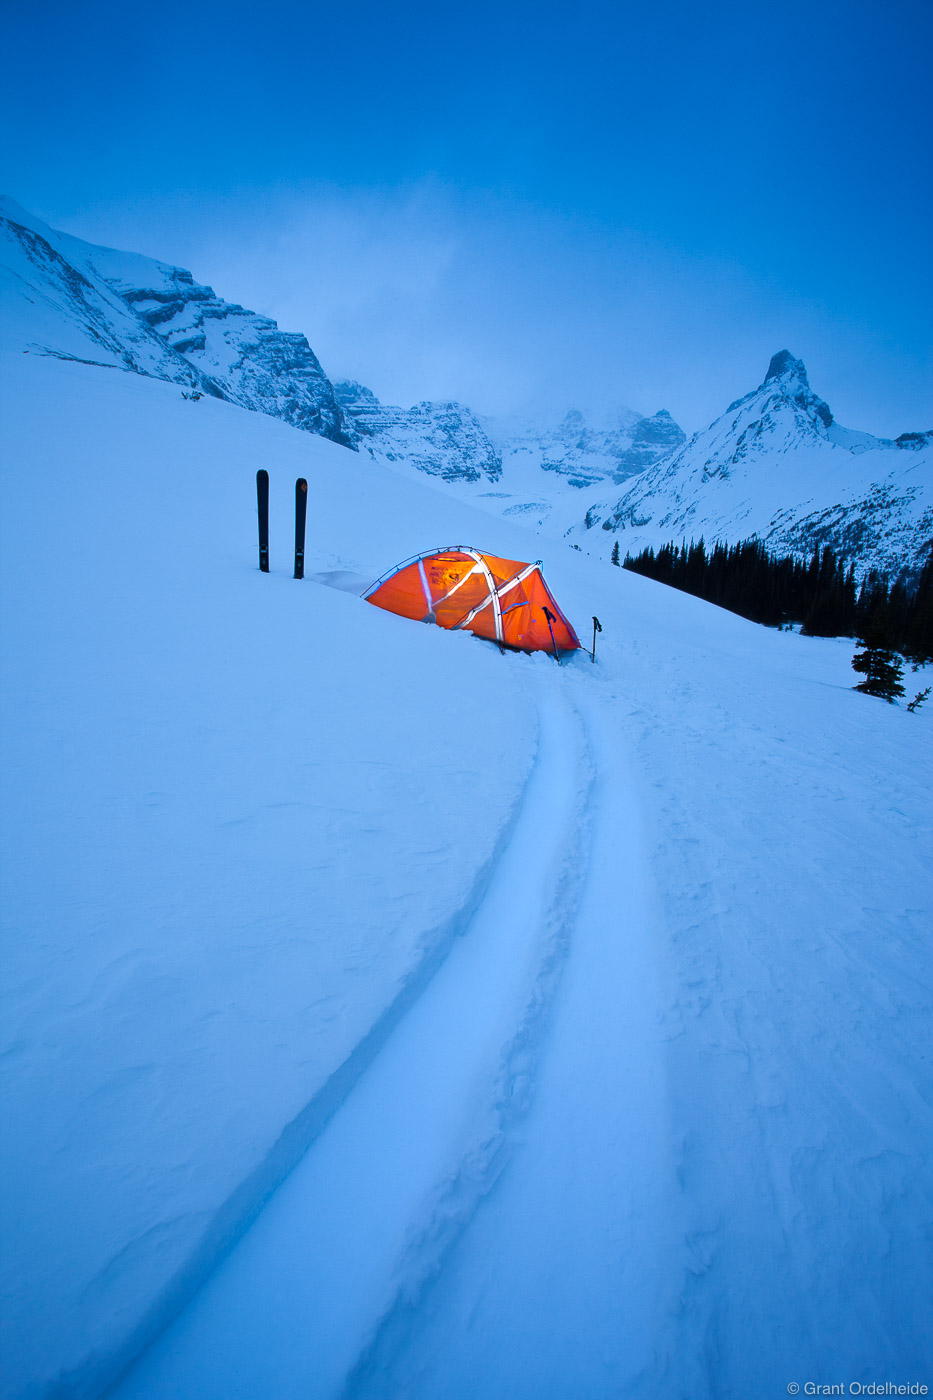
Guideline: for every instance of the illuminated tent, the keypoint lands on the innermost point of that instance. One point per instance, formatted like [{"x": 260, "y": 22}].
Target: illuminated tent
[{"x": 460, "y": 588}]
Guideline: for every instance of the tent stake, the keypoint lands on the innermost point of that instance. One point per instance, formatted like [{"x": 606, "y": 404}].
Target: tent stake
[{"x": 597, "y": 627}]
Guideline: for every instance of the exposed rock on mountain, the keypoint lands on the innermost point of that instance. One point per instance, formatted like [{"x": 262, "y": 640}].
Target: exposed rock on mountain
[
  {"x": 52, "y": 307},
  {"x": 584, "y": 449},
  {"x": 442, "y": 439},
  {"x": 257, "y": 365},
  {"x": 534, "y": 456},
  {"x": 777, "y": 466},
  {"x": 132, "y": 312}
]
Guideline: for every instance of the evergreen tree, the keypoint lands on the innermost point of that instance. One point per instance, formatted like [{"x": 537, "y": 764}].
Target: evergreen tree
[
  {"x": 615, "y": 552},
  {"x": 881, "y": 668},
  {"x": 820, "y": 594}
]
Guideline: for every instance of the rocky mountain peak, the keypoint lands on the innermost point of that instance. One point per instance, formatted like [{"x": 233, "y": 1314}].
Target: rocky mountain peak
[
  {"x": 787, "y": 381},
  {"x": 775, "y": 465},
  {"x": 786, "y": 366},
  {"x": 349, "y": 392}
]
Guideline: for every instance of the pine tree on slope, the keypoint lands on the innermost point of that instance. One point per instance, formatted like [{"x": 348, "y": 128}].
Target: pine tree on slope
[{"x": 881, "y": 668}]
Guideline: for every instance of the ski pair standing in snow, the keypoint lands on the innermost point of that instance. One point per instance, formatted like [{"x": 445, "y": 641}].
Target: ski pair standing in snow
[{"x": 301, "y": 511}]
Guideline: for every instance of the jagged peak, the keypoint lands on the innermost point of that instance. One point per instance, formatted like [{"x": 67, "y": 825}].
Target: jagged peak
[
  {"x": 784, "y": 365},
  {"x": 788, "y": 376},
  {"x": 350, "y": 391}
]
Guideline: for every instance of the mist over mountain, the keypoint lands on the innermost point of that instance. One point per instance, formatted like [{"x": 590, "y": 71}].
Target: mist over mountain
[{"x": 776, "y": 465}]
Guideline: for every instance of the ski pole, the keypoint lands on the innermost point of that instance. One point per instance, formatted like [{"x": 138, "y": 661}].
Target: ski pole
[
  {"x": 597, "y": 627},
  {"x": 550, "y": 619},
  {"x": 301, "y": 510},
  {"x": 262, "y": 502}
]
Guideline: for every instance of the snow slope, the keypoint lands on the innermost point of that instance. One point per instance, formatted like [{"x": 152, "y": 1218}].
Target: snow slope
[
  {"x": 213, "y": 826},
  {"x": 584, "y": 1012},
  {"x": 778, "y": 467},
  {"x": 48, "y": 306},
  {"x": 155, "y": 319}
]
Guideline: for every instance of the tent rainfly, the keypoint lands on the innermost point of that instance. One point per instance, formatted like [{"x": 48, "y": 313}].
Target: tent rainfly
[{"x": 463, "y": 589}]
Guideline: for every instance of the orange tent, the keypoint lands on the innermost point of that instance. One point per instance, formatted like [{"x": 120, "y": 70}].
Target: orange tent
[{"x": 460, "y": 588}]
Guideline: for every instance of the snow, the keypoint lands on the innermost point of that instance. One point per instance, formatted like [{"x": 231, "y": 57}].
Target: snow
[
  {"x": 559, "y": 1031},
  {"x": 213, "y": 823},
  {"x": 776, "y": 466},
  {"x": 331, "y": 1238},
  {"x": 124, "y": 309}
]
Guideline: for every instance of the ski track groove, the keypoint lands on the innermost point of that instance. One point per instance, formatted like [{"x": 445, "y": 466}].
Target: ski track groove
[
  {"x": 554, "y": 1285},
  {"x": 458, "y": 1201},
  {"x": 458, "y": 1190},
  {"x": 103, "y": 1376}
]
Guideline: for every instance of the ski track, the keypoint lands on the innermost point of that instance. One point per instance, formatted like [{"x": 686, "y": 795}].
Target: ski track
[
  {"x": 334, "y": 1270},
  {"x": 104, "y": 1373},
  {"x": 559, "y": 1288}
]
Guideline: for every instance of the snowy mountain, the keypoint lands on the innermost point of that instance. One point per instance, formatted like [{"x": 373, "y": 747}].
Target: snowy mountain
[
  {"x": 384, "y": 1015},
  {"x": 539, "y": 460},
  {"x": 777, "y": 466},
  {"x": 134, "y": 312},
  {"x": 585, "y": 448},
  {"x": 51, "y": 306},
  {"x": 444, "y": 440}
]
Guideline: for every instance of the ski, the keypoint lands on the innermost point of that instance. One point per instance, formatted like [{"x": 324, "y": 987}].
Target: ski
[
  {"x": 301, "y": 510},
  {"x": 262, "y": 501}
]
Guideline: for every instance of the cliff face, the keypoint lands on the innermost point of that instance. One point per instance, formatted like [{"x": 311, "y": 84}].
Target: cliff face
[
  {"x": 445, "y": 440},
  {"x": 74, "y": 299},
  {"x": 257, "y": 365}
]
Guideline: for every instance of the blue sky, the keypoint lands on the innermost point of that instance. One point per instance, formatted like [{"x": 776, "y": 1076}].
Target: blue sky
[{"x": 505, "y": 202}]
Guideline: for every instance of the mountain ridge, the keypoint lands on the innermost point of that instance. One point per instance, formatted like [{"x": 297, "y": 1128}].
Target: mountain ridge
[
  {"x": 130, "y": 305},
  {"x": 776, "y": 466}
]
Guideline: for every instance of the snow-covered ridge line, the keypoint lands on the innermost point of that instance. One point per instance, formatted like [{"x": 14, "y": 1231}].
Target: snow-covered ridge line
[
  {"x": 777, "y": 467},
  {"x": 132, "y": 304},
  {"x": 79, "y": 312},
  {"x": 584, "y": 448},
  {"x": 541, "y": 458},
  {"x": 227, "y": 350}
]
